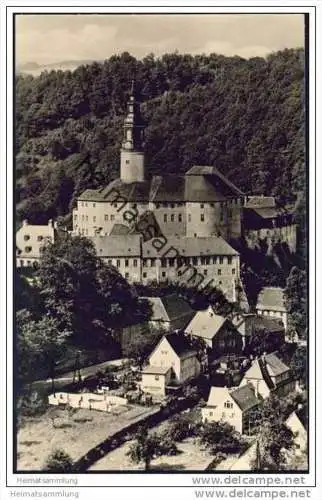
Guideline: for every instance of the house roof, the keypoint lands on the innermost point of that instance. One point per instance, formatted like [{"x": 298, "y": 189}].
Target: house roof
[
  {"x": 245, "y": 397},
  {"x": 169, "y": 308},
  {"x": 188, "y": 246},
  {"x": 257, "y": 323},
  {"x": 213, "y": 171},
  {"x": 119, "y": 230},
  {"x": 205, "y": 324},
  {"x": 180, "y": 344},
  {"x": 266, "y": 367},
  {"x": 271, "y": 299},
  {"x": 156, "y": 370},
  {"x": 117, "y": 246},
  {"x": 275, "y": 365},
  {"x": 260, "y": 202}
]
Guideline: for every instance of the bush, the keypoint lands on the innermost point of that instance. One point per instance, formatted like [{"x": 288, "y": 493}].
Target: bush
[
  {"x": 167, "y": 446},
  {"x": 59, "y": 461}
]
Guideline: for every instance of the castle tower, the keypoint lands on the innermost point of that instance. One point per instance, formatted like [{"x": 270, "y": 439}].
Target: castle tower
[{"x": 132, "y": 155}]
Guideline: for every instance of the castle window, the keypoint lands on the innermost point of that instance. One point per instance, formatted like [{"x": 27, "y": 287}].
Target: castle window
[
  {"x": 144, "y": 263},
  {"x": 172, "y": 205},
  {"x": 86, "y": 204},
  {"x": 163, "y": 262},
  {"x": 164, "y": 205},
  {"x": 212, "y": 205},
  {"x": 144, "y": 275},
  {"x": 202, "y": 260},
  {"x": 86, "y": 218},
  {"x": 118, "y": 263},
  {"x": 127, "y": 275},
  {"x": 135, "y": 263},
  {"x": 195, "y": 261},
  {"x": 171, "y": 262},
  {"x": 152, "y": 262},
  {"x": 94, "y": 218},
  {"x": 86, "y": 232},
  {"x": 202, "y": 217},
  {"x": 156, "y": 377},
  {"x": 110, "y": 262},
  {"x": 233, "y": 271},
  {"x": 219, "y": 272},
  {"x": 83, "y": 217},
  {"x": 221, "y": 260},
  {"x": 112, "y": 217},
  {"x": 229, "y": 260},
  {"x": 157, "y": 205},
  {"x": 163, "y": 274},
  {"x": 134, "y": 205},
  {"x": 165, "y": 218},
  {"x": 82, "y": 203},
  {"x": 189, "y": 217},
  {"x": 172, "y": 217},
  {"x": 214, "y": 260},
  {"x": 205, "y": 272},
  {"x": 75, "y": 217},
  {"x": 127, "y": 162},
  {"x": 105, "y": 217},
  {"x": 94, "y": 205},
  {"x": 21, "y": 263},
  {"x": 40, "y": 238},
  {"x": 180, "y": 218},
  {"x": 28, "y": 249},
  {"x": 220, "y": 283},
  {"x": 126, "y": 262},
  {"x": 201, "y": 205}
]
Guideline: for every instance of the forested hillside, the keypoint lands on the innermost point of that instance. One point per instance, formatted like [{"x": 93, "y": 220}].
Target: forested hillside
[{"x": 244, "y": 116}]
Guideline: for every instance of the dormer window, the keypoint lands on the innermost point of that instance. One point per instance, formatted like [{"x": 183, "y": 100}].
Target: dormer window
[
  {"x": 28, "y": 249},
  {"x": 26, "y": 237}
]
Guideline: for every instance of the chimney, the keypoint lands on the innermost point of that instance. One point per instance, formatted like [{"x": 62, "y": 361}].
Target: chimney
[{"x": 25, "y": 222}]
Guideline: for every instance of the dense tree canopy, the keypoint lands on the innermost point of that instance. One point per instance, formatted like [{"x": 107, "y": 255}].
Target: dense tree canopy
[
  {"x": 296, "y": 301},
  {"x": 244, "y": 116}
]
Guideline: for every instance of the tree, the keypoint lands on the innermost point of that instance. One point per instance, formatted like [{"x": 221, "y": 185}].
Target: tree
[
  {"x": 144, "y": 448},
  {"x": 142, "y": 345},
  {"x": 221, "y": 437},
  {"x": 60, "y": 462},
  {"x": 296, "y": 301},
  {"x": 39, "y": 343}
]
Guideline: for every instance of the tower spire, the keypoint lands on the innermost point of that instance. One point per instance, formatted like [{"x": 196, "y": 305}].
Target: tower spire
[{"x": 132, "y": 157}]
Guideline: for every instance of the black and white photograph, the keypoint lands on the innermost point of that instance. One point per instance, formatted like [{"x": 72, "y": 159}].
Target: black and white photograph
[{"x": 161, "y": 243}]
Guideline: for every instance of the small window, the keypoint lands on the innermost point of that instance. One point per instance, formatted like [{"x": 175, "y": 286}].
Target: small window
[
  {"x": 126, "y": 262},
  {"x": 172, "y": 217},
  {"x": 135, "y": 263},
  {"x": 28, "y": 249},
  {"x": 75, "y": 217},
  {"x": 189, "y": 217},
  {"x": 144, "y": 275},
  {"x": 127, "y": 275},
  {"x": 214, "y": 260},
  {"x": 233, "y": 271},
  {"x": 180, "y": 218},
  {"x": 207, "y": 261},
  {"x": 152, "y": 262},
  {"x": 156, "y": 377},
  {"x": 112, "y": 217},
  {"x": 86, "y": 232},
  {"x": 83, "y": 217},
  {"x": 134, "y": 205},
  {"x": 172, "y": 205},
  {"x": 171, "y": 262},
  {"x": 219, "y": 272},
  {"x": 144, "y": 263},
  {"x": 163, "y": 262},
  {"x": 229, "y": 260},
  {"x": 201, "y": 205},
  {"x": 82, "y": 203},
  {"x": 202, "y": 217},
  {"x": 221, "y": 260},
  {"x": 127, "y": 162},
  {"x": 211, "y": 414},
  {"x": 165, "y": 218},
  {"x": 195, "y": 261},
  {"x": 205, "y": 272},
  {"x": 105, "y": 217},
  {"x": 157, "y": 205},
  {"x": 94, "y": 205},
  {"x": 86, "y": 218},
  {"x": 118, "y": 263},
  {"x": 220, "y": 283},
  {"x": 94, "y": 218},
  {"x": 40, "y": 238},
  {"x": 110, "y": 262}
]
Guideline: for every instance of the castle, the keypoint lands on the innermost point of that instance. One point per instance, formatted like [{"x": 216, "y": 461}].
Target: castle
[{"x": 171, "y": 227}]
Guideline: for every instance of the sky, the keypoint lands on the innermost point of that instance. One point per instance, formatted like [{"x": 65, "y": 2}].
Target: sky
[{"x": 47, "y": 39}]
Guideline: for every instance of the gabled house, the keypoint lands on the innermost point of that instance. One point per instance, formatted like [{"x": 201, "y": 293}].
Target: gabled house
[
  {"x": 271, "y": 329},
  {"x": 170, "y": 312},
  {"x": 270, "y": 303},
  {"x": 297, "y": 422},
  {"x": 219, "y": 334},
  {"x": 268, "y": 374},
  {"x": 173, "y": 359},
  {"x": 235, "y": 406}
]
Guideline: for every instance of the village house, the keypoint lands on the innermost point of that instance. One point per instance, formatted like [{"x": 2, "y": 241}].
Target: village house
[
  {"x": 30, "y": 242},
  {"x": 268, "y": 374},
  {"x": 169, "y": 313},
  {"x": 235, "y": 406},
  {"x": 173, "y": 359},
  {"x": 270, "y": 303},
  {"x": 271, "y": 329},
  {"x": 218, "y": 333}
]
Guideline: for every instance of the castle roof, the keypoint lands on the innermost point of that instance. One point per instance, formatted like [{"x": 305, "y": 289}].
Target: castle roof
[
  {"x": 199, "y": 184},
  {"x": 118, "y": 246},
  {"x": 188, "y": 246}
]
